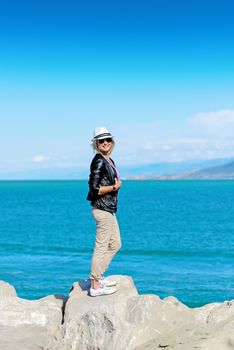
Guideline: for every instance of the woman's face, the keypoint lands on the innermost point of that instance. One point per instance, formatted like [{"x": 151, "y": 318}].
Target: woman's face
[{"x": 104, "y": 145}]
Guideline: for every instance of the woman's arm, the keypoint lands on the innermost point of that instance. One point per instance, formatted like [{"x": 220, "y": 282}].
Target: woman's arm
[
  {"x": 96, "y": 171},
  {"x": 110, "y": 188}
]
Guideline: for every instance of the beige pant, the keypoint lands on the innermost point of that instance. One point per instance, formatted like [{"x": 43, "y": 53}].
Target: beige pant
[{"x": 107, "y": 243}]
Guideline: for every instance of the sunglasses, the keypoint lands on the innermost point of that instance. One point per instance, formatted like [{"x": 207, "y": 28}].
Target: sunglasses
[{"x": 103, "y": 140}]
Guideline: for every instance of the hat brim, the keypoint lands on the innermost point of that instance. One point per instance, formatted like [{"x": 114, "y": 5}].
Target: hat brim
[{"x": 102, "y": 137}]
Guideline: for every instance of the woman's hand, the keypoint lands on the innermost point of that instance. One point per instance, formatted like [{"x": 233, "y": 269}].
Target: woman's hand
[
  {"x": 110, "y": 188},
  {"x": 118, "y": 184}
]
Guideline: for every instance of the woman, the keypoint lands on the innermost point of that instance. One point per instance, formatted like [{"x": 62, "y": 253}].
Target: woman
[{"x": 104, "y": 184}]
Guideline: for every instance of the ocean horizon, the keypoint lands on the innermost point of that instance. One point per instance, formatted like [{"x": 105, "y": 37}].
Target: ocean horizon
[{"x": 177, "y": 237}]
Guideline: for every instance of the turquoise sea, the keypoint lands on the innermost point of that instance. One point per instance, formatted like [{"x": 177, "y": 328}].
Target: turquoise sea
[{"x": 177, "y": 236}]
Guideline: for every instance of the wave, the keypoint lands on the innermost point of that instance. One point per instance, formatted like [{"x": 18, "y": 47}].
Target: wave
[
  {"x": 9, "y": 248},
  {"x": 178, "y": 253}
]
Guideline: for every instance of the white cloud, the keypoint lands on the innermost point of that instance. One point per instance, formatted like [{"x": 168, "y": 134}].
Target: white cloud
[
  {"x": 201, "y": 136},
  {"x": 148, "y": 146},
  {"x": 165, "y": 147},
  {"x": 188, "y": 141},
  {"x": 215, "y": 122},
  {"x": 40, "y": 158}
]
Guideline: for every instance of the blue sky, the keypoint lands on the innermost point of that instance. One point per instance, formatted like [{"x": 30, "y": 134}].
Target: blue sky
[{"x": 158, "y": 74}]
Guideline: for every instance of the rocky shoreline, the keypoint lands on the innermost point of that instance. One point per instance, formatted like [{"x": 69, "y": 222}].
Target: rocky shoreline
[{"x": 122, "y": 321}]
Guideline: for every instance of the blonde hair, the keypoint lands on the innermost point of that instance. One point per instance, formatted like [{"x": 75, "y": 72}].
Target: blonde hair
[{"x": 95, "y": 147}]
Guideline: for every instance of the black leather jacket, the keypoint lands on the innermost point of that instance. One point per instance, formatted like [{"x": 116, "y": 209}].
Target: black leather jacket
[{"x": 102, "y": 174}]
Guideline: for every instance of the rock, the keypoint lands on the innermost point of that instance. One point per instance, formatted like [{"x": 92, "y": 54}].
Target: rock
[
  {"x": 128, "y": 321},
  {"x": 45, "y": 313},
  {"x": 210, "y": 328},
  {"x": 215, "y": 312},
  {"x": 98, "y": 323},
  {"x": 22, "y": 320},
  {"x": 121, "y": 321},
  {"x": 6, "y": 290},
  {"x": 29, "y": 337}
]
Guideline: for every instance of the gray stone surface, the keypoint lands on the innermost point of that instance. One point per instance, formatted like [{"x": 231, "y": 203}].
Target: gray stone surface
[
  {"x": 30, "y": 324},
  {"x": 121, "y": 321},
  {"x": 30, "y": 337},
  {"x": 44, "y": 313},
  {"x": 6, "y": 290},
  {"x": 98, "y": 323},
  {"x": 128, "y": 321}
]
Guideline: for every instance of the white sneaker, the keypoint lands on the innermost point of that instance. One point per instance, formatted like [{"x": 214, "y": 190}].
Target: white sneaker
[
  {"x": 105, "y": 281},
  {"x": 102, "y": 290}
]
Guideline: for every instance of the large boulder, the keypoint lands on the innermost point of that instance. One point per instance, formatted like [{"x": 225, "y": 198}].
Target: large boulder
[
  {"x": 30, "y": 337},
  {"x": 128, "y": 321},
  {"x": 210, "y": 327},
  {"x": 46, "y": 312},
  {"x": 120, "y": 321},
  {"x": 31, "y": 324},
  {"x": 6, "y": 290},
  {"x": 98, "y": 323}
]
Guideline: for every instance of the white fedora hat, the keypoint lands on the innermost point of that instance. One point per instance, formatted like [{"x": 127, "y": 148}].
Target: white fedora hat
[{"x": 101, "y": 133}]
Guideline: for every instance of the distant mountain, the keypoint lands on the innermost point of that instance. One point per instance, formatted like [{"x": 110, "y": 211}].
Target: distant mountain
[
  {"x": 225, "y": 171},
  {"x": 214, "y": 169},
  {"x": 170, "y": 170}
]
